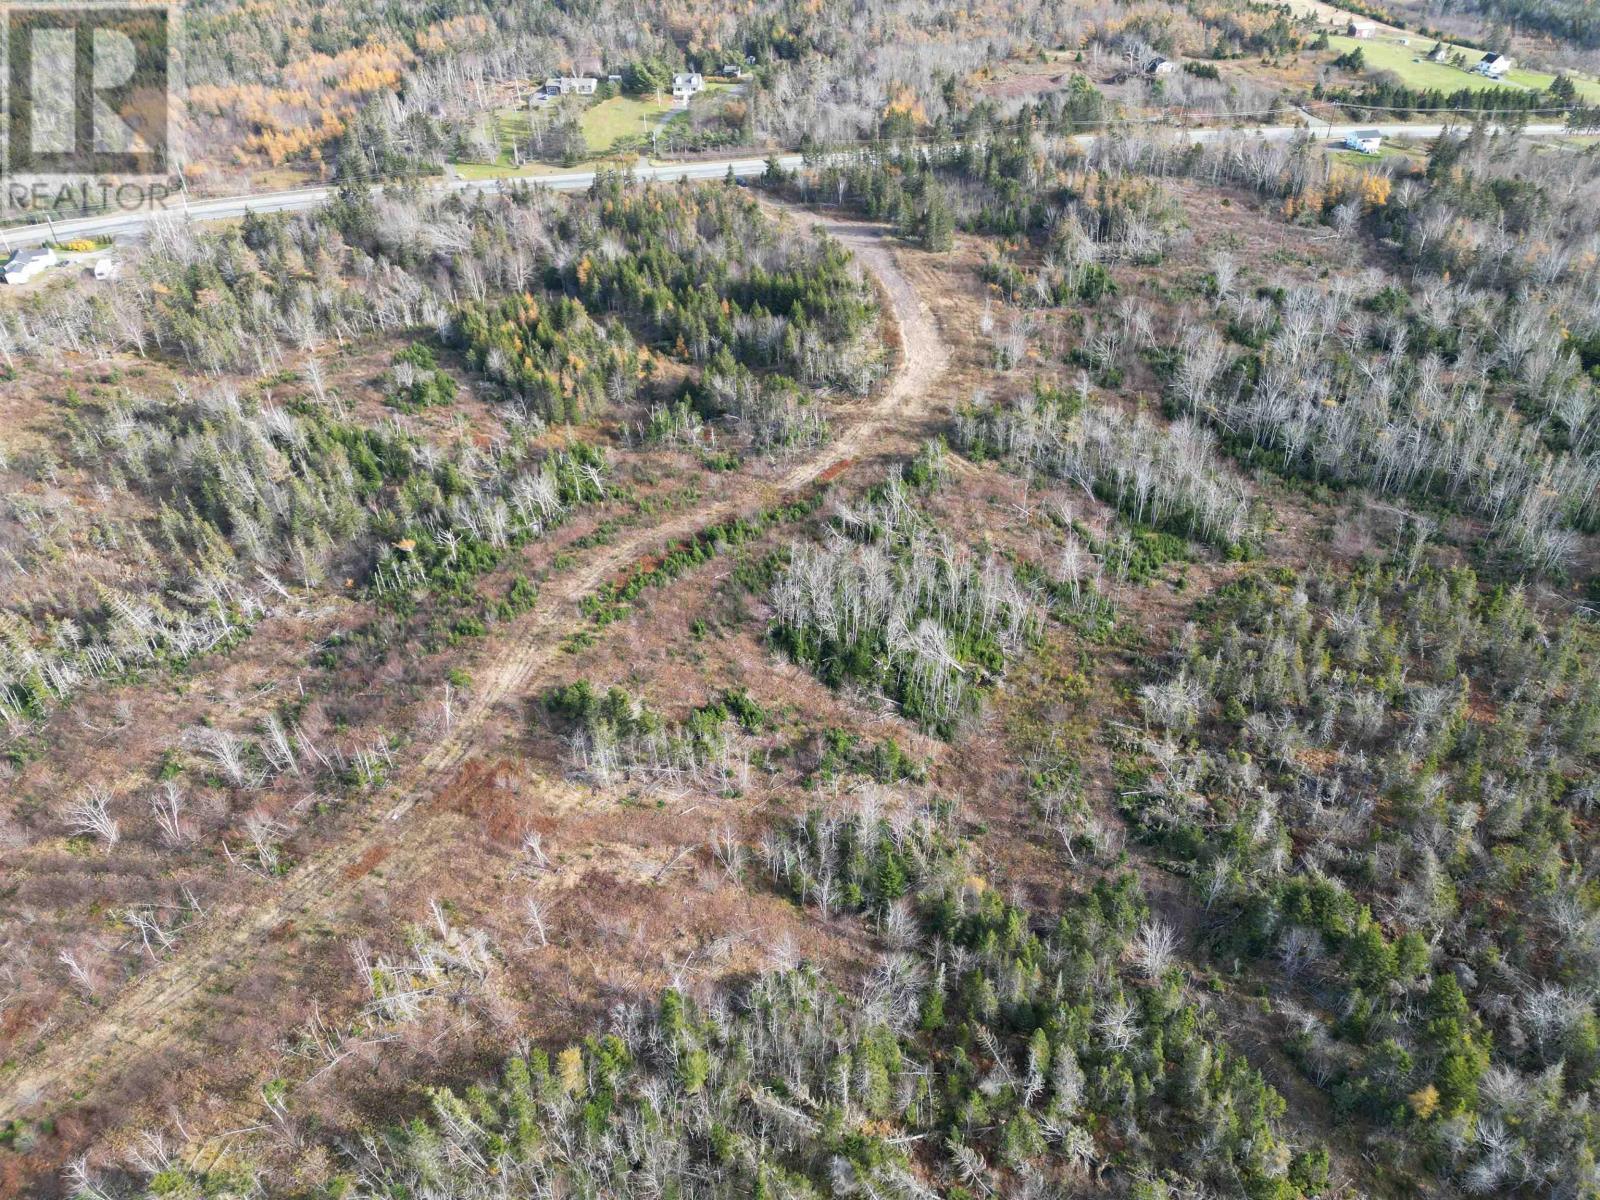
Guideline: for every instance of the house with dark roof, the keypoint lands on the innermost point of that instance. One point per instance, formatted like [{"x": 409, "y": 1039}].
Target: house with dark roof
[
  {"x": 1494, "y": 66},
  {"x": 25, "y": 264}
]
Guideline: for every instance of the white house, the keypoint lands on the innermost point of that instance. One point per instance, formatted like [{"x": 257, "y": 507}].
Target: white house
[
  {"x": 570, "y": 85},
  {"x": 25, "y": 264},
  {"x": 686, "y": 84},
  {"x": 1494, "y": 65},
  {"x": 1367, "y": 141},
  {"x": 1363, "y": 29},
  {"x": 1161, "y": 66}
]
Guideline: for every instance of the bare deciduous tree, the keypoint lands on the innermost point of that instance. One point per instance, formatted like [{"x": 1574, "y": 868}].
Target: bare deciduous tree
[{"x": 90, "y": 815}]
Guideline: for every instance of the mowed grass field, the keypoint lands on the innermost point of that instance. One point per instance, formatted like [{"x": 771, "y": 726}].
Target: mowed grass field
[
  {"x": 504, "y": 170},
  {"x": 1355, "y": 158},
  {"x": 604, "y": 123},
  {"x": 624, "y": 117},
  {"x": 1410, "y": 63}
]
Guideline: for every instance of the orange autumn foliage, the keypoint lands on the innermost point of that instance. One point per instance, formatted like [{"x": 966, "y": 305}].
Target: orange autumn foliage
[
  {"x": 311, "y": 104},
  {"x": 905, "y": 101}
]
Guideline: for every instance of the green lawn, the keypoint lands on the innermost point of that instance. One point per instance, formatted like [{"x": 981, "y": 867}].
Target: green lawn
[
  {"x": 604, "y": 123},
  {"x": 1355, "y": 158},
  {"x": 633, "y": 117},
  {"x": 1539, "y": 80},
  {"x": 504, "y": 169},
  {"x": 1387, "y": 54},
  {"x": 506, "y": 126},
  {"x": 623, "y": 117}
]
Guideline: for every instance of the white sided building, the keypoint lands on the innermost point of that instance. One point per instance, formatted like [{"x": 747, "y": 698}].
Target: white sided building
[
  {"x": 1494, "y": 66},
  {"x": 686, "y": 84},
  {"x": 24, "y": 265},
  {"x": 570, "y": 85}
]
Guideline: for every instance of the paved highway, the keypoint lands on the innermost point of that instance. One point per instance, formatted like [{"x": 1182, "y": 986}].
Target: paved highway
[{"x": 129, "y": 225}]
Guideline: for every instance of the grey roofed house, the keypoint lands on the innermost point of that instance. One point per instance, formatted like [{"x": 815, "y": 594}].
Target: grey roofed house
[
  {"x": 568, "y": 85},
  {"x": 27, "y": 263},
  {"x": 686, "y": 84}
]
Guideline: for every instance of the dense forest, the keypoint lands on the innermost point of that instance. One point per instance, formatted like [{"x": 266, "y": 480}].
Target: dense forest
[{"x": 1569, "y": 20}]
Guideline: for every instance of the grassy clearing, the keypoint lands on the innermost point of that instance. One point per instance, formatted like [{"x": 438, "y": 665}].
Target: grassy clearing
[
  {"x": 505, "y": 128},
  {"x": 618, "y": 125},
  {"x": 1354, "y": 158},
  {"x": 1411, "y": 64},
  {"x": 604, "y": 123},
  {"x": 1538, "y": 80},
  {"x": 624, "y": 117},
  {"x": 1391, "y": 148},
  {"x": 504, "y": 170}
]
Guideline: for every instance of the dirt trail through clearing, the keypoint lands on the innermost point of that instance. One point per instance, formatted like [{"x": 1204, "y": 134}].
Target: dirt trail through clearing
[{"x": 163, "y": 1004}]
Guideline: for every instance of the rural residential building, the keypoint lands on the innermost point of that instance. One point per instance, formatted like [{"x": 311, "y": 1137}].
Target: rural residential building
[
  {"x": 686, "y": 84},
  {"x": 1362, "y": 29},
  {"x": 25, "y": 264},
  {"x": 570, "y": 85},
  {"x": 1368, "y": 141},
  {"x": 1494, "y": 65},
  {"x": 1161, "y": 66}
]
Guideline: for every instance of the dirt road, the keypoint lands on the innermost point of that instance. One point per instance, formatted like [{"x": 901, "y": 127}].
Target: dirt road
[{"x": 158, "y": 1007}]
